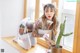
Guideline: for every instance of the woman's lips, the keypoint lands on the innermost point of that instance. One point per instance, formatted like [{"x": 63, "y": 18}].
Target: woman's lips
[{"x": 49, "y": 16}]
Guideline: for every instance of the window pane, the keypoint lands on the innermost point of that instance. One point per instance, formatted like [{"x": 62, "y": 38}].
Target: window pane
[
  {"x": 42, "y": 3},
  {"x": 67, "y": 8},
  {"x": 69, "y": 5},
  {"x": 31, "y": 9},
  {"x": 69, "y": 27}
]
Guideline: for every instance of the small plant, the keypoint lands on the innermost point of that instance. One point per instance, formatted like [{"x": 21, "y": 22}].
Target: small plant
[
  {"x": 57, "y": 48},
  {"x": 61, "y": 33}
]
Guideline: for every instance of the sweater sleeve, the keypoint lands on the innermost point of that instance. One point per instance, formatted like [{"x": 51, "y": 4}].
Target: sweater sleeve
[{"x": 37, "y": 25}]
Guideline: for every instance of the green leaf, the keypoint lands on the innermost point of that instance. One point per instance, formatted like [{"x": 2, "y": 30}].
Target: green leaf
[
  {"x": 68, "y": 34},
  {"x": 58, "y": 41}
]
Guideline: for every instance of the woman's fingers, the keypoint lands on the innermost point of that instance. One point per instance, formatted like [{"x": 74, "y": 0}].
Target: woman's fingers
[
  {"x": 49, "y": 43},
  {"x": 33, "y": 34}
]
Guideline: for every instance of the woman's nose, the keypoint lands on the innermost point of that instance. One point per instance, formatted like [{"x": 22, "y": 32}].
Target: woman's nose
[{"x": 48, "y": 13}]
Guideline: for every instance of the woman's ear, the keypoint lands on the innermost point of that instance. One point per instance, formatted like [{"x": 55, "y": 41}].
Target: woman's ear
[
  {"x": 43, "y": 5},
  {"x": 55, "y": 5}
]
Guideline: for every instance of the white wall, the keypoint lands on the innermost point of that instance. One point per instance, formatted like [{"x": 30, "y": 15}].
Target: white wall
[
  {"x": 12, "y": 13},
  {"x": 0, "y": 23}
]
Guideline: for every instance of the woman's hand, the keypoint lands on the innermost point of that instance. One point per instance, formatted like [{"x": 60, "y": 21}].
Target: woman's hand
[
  {"x": 49, "y": 23},
  {"x": 46, "y": 37},
  {"x": 33, "y": 34}
]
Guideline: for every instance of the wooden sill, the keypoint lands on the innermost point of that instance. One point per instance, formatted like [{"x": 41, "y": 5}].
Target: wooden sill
[
  {"x": 65, "y": 51},
  {"x": 42, "y": 42}
]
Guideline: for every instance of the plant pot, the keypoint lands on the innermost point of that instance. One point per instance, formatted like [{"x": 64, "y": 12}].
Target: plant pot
[{"x": 54, "y": 49}]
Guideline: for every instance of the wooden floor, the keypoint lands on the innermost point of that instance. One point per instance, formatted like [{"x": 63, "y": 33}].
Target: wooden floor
[{"x": 37, "y": 49}]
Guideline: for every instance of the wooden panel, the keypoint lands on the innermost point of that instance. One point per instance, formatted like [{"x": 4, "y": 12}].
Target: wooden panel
[
  {"x": 78, "y": 35},
  {"x": 37, "y": 9},
  {"x": 42, "y": 42},
  {"x": 76, "y": 47},
  {"x": 57, "y": 1}
]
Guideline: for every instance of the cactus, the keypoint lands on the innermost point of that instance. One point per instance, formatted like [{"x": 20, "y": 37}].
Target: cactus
[{"x": 61, "y": 33}]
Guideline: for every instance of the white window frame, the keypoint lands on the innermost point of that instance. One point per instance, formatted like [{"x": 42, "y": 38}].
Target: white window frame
[{"x": 65, "y": 12}]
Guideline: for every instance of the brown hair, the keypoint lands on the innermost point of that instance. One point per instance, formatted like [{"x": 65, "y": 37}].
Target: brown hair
[{"x": 54, "y": 25}]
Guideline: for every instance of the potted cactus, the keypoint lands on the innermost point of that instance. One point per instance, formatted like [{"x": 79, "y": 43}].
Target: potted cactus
[{"x": 57, "y": 48}]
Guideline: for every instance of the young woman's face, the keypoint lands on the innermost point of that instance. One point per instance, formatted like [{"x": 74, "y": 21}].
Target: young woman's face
[{"x": 49, "y": 13}]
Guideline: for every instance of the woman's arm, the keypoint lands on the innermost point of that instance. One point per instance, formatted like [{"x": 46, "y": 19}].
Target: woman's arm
[
  {"x": 37, "y": 25},
  {"x": 36, "y": 34}
]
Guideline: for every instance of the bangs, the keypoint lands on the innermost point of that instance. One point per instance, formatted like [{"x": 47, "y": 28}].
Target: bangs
[{"x": 52, "y": 7}]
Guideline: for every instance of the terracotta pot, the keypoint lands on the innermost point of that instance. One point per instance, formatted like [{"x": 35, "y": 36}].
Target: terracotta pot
[{"x": 54, "y": 49}]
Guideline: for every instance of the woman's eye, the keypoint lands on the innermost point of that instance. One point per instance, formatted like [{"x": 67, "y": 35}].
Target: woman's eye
[
  {"x": 51, "y": 11},
  {"x": 46, "y": 11}
]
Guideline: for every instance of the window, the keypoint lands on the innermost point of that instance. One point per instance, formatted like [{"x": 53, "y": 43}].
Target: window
[
  {"x": 69, "y": 5},
  {"x": 68, "y": 10},
  {"x": 31, "y": 9}
]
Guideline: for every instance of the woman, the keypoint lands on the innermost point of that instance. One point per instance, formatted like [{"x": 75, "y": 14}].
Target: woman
[{"x": 49, "y": 15}]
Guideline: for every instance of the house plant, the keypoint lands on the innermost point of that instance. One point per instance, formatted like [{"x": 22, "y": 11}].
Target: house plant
[{"x": 57, "y": 48}]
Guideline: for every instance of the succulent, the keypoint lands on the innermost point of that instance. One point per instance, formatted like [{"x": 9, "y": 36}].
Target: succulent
[{"x": 61, "y": 33}]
